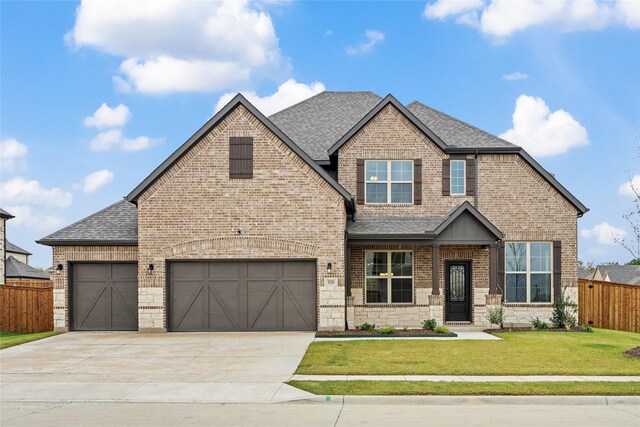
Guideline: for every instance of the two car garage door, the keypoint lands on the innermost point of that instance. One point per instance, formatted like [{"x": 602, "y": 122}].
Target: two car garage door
[{"x": 201, "y": 296}]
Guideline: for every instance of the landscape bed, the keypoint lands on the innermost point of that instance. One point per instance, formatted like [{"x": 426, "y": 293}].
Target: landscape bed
[{"x": 358, "y": 333}]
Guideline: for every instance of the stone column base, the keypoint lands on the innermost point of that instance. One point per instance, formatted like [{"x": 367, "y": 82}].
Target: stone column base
[{"x": 494, "y": 299}]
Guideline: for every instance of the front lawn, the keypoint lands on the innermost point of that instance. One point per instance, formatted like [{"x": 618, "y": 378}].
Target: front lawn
[
  {"x": 9, "y": 339},
  {"x": 403, "y": 388},
  {"x": 519, "y": 353}
]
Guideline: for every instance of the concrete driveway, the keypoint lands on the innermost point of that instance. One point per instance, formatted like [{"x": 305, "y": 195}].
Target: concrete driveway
[{"x": 134, "y": 367}]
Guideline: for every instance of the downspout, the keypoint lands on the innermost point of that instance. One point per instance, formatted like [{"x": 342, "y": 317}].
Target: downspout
[{"x": 475, "y": 181}]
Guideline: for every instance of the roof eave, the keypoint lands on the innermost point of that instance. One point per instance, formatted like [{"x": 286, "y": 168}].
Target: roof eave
[{"x": 86, "y": 242}]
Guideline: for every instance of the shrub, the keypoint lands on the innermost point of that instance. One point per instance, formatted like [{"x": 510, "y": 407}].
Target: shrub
[
  {"x": 564, "y": 312},
  {"x": 442, "y": 330},
  {"x": 539, "y": 324},
  {"x": 495, "y": 315},
  {"x": 366, "y": 327},
  {"x": 388, "y": 330},
  {"x": 586, "y": 328},
  {"x": 429, "y": 324},
  {"x": 405, "y": 328}
]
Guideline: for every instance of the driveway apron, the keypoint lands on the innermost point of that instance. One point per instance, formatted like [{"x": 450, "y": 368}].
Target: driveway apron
[{"x": 176, "y": 367}]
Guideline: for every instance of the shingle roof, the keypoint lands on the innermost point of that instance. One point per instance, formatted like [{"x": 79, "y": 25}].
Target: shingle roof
[
  {"x": 18, "y": 269},
  {"x": 394, "y": 225},
  {"x": 5, "y": 214},
  {"x": 10, "y": 247},
  {"x": 629, "y": 274},
  {"x": 114, "y": 225},
  {"x": 453, "y": 131},
  {"x": 583, "y": 273},
  {"x": 317, "y": 123}
]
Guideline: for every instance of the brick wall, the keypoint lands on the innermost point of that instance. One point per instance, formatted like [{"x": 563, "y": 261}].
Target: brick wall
[
  {"x": 194, "y": 211},
  {"x": 2, "y": 249}
]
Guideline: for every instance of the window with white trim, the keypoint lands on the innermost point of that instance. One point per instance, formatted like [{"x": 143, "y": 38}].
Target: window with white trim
[
  {"x": 457, "y": 174},
  {"x": 389, "y": 181},
  {"x": 389, "y": 277},
  {"x": 528, "y": 272}
]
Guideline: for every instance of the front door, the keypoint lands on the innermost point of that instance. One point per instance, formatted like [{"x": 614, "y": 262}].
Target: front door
[{"x": 458, "y": 291}]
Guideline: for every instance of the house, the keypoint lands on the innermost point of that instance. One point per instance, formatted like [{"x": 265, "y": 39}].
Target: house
[
  {"x": 17, "y": 252},
  {"x": 17, "y": 271},
  {"x": 584, "y": 273},
  {"x": 4, "y": 216},
  {"x": 628, "y": 274},
  {"x": 342, "y": 209}
]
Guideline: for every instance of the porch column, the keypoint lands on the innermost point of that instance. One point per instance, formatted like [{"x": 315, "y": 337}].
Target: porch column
[
  {"x": 493, "y": 269},
  {"x": 435, "y": 269}
]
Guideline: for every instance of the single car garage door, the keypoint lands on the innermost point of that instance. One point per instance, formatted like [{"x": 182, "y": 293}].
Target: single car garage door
[
  {"x": 104, "y": 297},
  {"x": 242, "y": 296}
]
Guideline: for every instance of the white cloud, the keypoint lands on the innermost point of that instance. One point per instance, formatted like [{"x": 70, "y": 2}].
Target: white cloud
[
  {"x": 176, "y": 46},
  {"x": 96, "y": 180},
  {"x": 373, "y": 37},
  {"x": 502, "y": 18},
  {"x": 630, "y": 188},
  {"x": 328, "y": 33},
  {"x": 542, "y": 132},
  {"x": 24, "y": 216},
  {"x": 19, "y": 191},
  {"x": 515, "y": 76},
  {"x": 12, "y": 154},
  {"x": 289, "y": 93},
  {"x": 604, "y": 233},
  {"x": 113, "y": 138},
  {"x": 106, "y": 117}
]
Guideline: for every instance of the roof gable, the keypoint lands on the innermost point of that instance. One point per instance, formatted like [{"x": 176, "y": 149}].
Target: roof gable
[
  {"x": 389, "y": 99},
  {"x": 10, "y": 247},
  {"x": 214, "y": 121},
  {"x": 467, "y": 224}
]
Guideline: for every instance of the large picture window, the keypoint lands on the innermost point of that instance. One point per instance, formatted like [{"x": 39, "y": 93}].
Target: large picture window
[
  {"x": 389, "y": 277},
  {"x": 389, "y": 181},
  {"x": 528, "y": 272}
]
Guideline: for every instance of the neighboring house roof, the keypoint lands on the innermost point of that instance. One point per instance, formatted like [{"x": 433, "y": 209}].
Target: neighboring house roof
[
  {"x": 10, "y": 247},
  {"x": 583, "y": 273},
  {"x": 114, "y": 225},
  {"x": 317, "y": 123},
  {"x": 19, "y": 270},
  {"x": 5, "y": 214},
  {"x": 217, "y": 118},
  {"x": 629, "y": 274}
]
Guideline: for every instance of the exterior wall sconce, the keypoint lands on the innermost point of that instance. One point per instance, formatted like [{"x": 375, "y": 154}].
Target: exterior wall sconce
[
  {"x": 59, "y": 269},
  {"x": 150, "y": 268},
  {"x": 329, "y": 268}
]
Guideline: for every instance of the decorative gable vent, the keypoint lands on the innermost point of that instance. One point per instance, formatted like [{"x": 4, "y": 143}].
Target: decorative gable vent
[{"x": 240, "y": 157}]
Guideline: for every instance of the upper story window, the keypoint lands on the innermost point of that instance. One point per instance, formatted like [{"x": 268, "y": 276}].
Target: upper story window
[
  {"x": 458, "y": 178},
  {"x": 389, "y": 277},
  {"x": 240, "y": 157},
  {"x": 528, "y": 272},
  {"x": 389, "y": 181}
]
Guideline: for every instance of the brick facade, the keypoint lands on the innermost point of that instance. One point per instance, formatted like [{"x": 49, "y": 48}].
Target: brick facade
[{"x": 3, "y": 237}]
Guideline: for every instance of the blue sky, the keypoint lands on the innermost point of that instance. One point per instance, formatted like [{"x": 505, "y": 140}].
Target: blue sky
[{"x": 569, "y": 70}]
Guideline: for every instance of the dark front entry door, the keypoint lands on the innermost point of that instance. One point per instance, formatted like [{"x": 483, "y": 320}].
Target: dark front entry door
[{"x": 458, "y": 291}]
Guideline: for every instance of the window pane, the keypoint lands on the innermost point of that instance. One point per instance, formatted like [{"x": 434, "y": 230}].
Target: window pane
[
  {"x": 457, "y": 176},
  {"x": 541, "y": 287},
  {"x": 401, "y": 193},
  {"x": 401, "y": 170},
  {"x": 540, "y": 256},
  {"x": 401, "y": 290},
  {"x": 516, "y": 288},
  {"x": 515, "y": 257},
  {"x": 375, "y": 170},
  {"x": 457, "y": 288},
  {"x": 376, "y": 193},
  {"x": 376, "y": 263},
  {"x": 401, "y": 263},
  {"x": 377, "y": 290}
]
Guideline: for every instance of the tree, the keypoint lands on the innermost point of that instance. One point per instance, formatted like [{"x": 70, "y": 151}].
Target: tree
[
  {"x": 632, "y": 244},
  {"x": 635, "y": 261}
]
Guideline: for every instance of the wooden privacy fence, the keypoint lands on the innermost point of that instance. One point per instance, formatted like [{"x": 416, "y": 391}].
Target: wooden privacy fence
[
  {"x": 609, "y": 305},
  {"x": 26, "y": 309}
]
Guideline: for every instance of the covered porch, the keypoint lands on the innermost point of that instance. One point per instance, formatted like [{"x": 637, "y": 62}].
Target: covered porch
[{"x": 403, "y": 270}]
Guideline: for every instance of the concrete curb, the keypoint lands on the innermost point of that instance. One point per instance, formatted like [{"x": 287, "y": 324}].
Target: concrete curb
[{"x": 476, "y": 400}]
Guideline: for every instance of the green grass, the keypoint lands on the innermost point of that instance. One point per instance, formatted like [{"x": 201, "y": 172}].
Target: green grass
[
  {"x": 519, "y": 353},
  {"x": 403, "y": 388},
  {"x": 9, "y": 339}
]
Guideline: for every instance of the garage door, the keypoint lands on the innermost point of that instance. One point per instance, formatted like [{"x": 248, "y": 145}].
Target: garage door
[
  {"x": 104, "y": 297},
  {"x": 242, "y": 296}
]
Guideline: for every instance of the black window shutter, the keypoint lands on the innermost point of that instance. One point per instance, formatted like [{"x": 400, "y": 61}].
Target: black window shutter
[
  {"x": 360, "y": 181},
  {"x": 471, "y": 176},
  {"x": 240, "y": 157},
  {"x": 446, "y": 177},
  {"x": 501, "y": 284},
  {"x": 557, "y": 269},
  {"x": 417, "y": 182}
]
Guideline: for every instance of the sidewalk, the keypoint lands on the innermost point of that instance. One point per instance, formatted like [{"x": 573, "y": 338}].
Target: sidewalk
[{"x": 464, "y": 378}]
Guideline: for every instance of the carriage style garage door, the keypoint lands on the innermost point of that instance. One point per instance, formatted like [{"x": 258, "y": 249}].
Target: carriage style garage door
[
  {"x": 242, "y": 296},
  {"x": 104, "y": 297}
]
